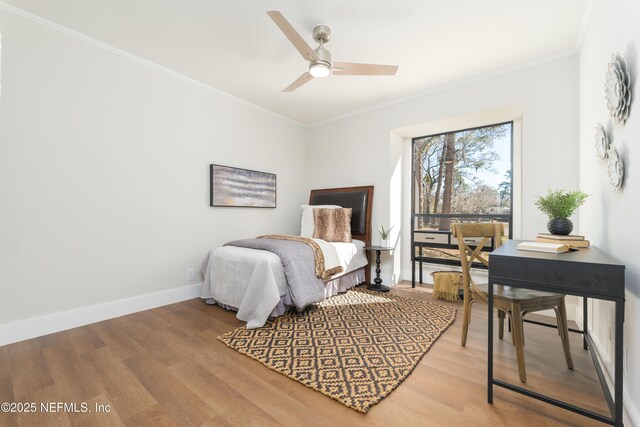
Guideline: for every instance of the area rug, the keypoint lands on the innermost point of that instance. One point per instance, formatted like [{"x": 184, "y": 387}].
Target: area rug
[{"x": 355, "y": 347}]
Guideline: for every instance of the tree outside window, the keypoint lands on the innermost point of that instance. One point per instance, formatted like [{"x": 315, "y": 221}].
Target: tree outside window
[{"x": 462, "y": 172}]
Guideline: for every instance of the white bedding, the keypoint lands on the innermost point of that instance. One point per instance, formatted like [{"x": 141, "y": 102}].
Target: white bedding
[
  {"x": 253, "y": 282},
  {"x": 351, "y": 256}
]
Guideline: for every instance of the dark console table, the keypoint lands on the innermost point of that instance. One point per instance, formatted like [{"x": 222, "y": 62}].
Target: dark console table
[
  {"x": 588, "y": 273},
  {"x": 433, "y": 238}
]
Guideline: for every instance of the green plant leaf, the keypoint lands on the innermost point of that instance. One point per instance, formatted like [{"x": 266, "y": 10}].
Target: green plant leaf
[
  {"x": 560, "y": 203},
  {"x": 385, "y": 233}
]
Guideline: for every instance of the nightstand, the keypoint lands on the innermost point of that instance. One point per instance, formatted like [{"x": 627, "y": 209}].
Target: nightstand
[{"x": 377, "y": 285}]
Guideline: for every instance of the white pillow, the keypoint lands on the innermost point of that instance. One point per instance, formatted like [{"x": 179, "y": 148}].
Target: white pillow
[{"x": 307, "y": 226}]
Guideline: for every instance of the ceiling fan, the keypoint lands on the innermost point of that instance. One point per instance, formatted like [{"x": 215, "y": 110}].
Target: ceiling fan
[{"x": 320, "y": 64}]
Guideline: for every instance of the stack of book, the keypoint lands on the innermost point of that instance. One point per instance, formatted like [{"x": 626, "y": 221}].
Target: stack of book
[{"x": 571, "y": 240}]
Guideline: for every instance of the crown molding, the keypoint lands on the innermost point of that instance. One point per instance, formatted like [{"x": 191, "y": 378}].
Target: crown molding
[
  {"x": 453, "y": 85},
  {"x": 112, "y": 49},
  {"x": 585, "y": 23},
  {"x": 448, "y": 86}
]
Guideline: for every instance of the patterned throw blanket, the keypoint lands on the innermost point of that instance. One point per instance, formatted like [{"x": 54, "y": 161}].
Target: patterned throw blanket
[
  {"x": 303, "y": 262},
  {"x": 321, "y": 271}
]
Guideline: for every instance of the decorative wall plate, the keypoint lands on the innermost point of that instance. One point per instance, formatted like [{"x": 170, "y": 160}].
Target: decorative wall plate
[
  {"x": 618, "y": 89},
  {"x": 615, "y": 168},
  {"x": 602, "y": 142}
]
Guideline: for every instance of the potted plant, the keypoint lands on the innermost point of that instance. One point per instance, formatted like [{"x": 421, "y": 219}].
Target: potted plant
[
  {"x": 385, "y": 235},
  {"x": 559, "y": 205}
]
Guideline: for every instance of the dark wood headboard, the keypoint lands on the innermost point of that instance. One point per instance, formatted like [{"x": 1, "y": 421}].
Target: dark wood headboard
[{"x": 359, "y": 199}]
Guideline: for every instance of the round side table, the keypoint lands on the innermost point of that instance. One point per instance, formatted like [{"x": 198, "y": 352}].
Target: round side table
[{"x": 377, "y": 282}]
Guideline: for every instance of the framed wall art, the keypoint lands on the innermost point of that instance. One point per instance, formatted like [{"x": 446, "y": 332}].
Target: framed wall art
[{"x": 238, "y": 187}]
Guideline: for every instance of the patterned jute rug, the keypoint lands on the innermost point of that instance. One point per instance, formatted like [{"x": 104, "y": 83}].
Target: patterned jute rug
[{"x": 356, "y": 347}]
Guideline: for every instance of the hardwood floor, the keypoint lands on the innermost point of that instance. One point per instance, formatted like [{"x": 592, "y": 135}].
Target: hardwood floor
[{"x": 165, "y": 367}]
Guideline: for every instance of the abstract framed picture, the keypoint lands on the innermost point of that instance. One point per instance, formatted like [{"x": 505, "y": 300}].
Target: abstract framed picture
[{"x": 231, "y": 186}]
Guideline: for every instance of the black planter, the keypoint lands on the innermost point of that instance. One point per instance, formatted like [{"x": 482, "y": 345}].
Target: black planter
[{"x": 560, "y": 226}]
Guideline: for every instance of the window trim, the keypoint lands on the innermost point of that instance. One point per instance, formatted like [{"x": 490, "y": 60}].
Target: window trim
[{"x": 414, "y": 214}]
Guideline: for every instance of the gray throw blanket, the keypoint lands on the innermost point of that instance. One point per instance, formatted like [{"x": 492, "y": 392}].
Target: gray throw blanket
[{"x": 299, "y": 265}]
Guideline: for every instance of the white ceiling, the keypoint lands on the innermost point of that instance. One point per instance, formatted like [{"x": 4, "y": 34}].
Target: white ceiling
[{"x": 234, "y": 46}]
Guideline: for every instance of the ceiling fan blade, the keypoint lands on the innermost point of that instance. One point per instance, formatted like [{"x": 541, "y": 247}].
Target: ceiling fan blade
[
  {"x": 354, "y": 69},
  {"x": 306, "y": 77},
  {"x": 296, "y": 39}
]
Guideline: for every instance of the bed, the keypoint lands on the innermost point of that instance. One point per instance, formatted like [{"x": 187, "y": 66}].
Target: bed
[{"x": 253, "y": 281}]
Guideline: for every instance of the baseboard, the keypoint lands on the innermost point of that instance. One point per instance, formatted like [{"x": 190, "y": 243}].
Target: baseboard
[
  {"x": 38, "y": 326},
  {"x": 579, "y": 318},
  {"x": 631, "y": 412},
  {"x": 387, "y": 279}
]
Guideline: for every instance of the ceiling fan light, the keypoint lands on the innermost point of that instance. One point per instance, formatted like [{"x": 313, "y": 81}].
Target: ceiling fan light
[{"x": 319, "y": 70}]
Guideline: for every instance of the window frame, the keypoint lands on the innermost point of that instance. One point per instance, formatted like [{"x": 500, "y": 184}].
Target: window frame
[{"x": 415, "y": 215}]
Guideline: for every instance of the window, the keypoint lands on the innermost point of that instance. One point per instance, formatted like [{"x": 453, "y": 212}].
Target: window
[{"x": 460, "y": 176}]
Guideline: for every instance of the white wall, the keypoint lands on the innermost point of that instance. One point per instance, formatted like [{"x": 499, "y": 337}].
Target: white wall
[
  {"x": 104, "y": 173},
  {"x": 104, "y": 166},
  {"x": 357, "y": 149},
  {"x": 610, "y": 219}
]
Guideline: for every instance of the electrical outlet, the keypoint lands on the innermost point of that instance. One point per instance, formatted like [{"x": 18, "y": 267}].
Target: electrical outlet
[
  {"x": 624, "y": 360},
  {"x": 191, "y": 274}
]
